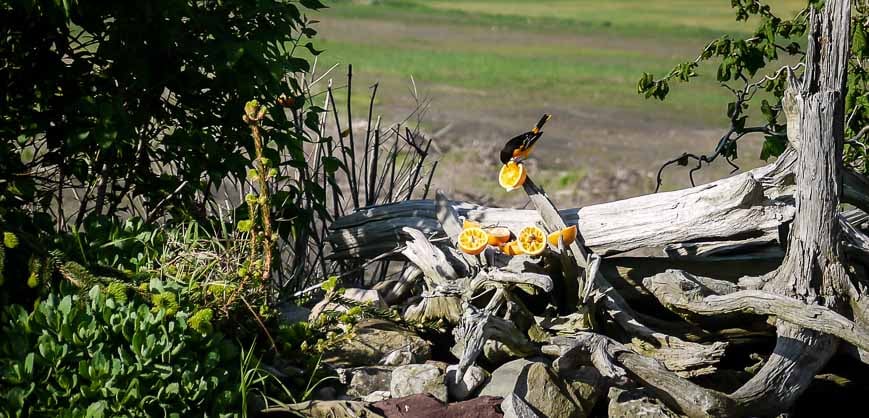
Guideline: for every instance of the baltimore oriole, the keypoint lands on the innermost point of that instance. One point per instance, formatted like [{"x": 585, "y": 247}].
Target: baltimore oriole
[{"x": 520, "y": 146}]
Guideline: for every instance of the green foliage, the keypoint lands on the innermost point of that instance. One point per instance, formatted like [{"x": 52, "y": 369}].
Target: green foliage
[
  {"x": 774, "y": 40},
  {"x": 10, "y": 240},
  {"x": 95, "y": 355},
  {"x": 201, "y": 321},
  {"x": 166, "y": 302},
  {"x": 136, "y": 101}
]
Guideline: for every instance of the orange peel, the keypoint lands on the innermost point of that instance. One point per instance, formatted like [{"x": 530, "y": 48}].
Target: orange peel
[
  {"x": 568, "y": 235},
  {"x": 467, "y": 223},
  {"x": 511, "y": 248}
]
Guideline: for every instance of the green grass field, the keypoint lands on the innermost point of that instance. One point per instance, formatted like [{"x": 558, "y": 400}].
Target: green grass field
[{"x": 581, "y": 53}]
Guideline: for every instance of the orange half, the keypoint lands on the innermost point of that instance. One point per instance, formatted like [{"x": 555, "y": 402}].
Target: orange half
[
  {"x": 473, "y": 241},
  {"x": 498, "y": 235},
  {"x": 512, "y": 176},
  {"x": 532, "y": 240},
  {"x": 568, "y": 236}
]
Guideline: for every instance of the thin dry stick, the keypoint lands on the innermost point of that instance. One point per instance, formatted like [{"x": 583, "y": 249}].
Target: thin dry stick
[
  {"x": 263, "y": 326},
  {"x": 354, "y": 184},
  {"x": 372, "y": 168},
  {"x": 415, "y": 178},
  {"x": 366, "y": 166}
]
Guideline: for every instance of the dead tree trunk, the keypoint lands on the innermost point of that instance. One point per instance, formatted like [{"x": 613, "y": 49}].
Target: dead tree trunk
[{"x": 812, "y": 271}]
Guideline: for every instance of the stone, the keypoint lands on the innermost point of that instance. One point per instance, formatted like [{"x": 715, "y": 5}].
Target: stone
[
  {"x": 414, "y": 379},
  {"x": 326, "y": 393},
  {"x": 361, "y": 381},
  {"x": 536, "y": 383},
  {"x": 473, "y": 380},
  {"x": 587, "y": 384},
  {"x": 327, "y": 409},
  {"x": 291, "y": 313},
  {"x": 377, "y": 396},
  {"x": 514, "y": 407},
  {"x": 426, "y": 406},
  {"x": 636, "y": 403},
  {"x": 374, "y": 340}
]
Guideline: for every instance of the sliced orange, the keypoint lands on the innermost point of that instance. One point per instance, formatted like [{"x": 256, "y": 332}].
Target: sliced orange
[
  {"x": 473, "y": 241},
  {"x": 512, "y": 176},
  {"x": 532, "y": 240},
  {"x": 467, "y": 223},
  {"x": 498, "y": 235},
  {"x": 511, "y": 248},
  {"x": 568, "y": 236}
]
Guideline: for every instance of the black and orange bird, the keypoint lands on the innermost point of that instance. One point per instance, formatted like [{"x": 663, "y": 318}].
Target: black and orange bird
[{"x": 520, "y": 146}]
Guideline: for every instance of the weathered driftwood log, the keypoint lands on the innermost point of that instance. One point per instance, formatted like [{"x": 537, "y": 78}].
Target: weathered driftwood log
[
  {"x": 704, "y": 296},
  {"x": 394, "y": 291},
  {"x": 686, "y": 358},
  {"x": 751, "y": 204},
  {"x": 744, "y": 205},
  {"x": 574, "y": 256}
]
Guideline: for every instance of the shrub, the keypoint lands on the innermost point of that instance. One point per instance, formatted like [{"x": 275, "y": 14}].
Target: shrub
[{"x": 101, "y": 355}]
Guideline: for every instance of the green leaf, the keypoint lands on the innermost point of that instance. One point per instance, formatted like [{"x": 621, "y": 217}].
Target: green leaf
[
  {"x": 859, "y": 45},
  {"x": 331, "y": 164},
  {"x": 773, "y": 146},
  {"x": 65, "y": 305},
  {"x": 330, "y": 285},
  {"x": 244, "y": 225},
  {"x": 28, "y": 363},
  {"x": 96, "y": 409},
  {"x": 311, "y": 48},
  {"x": 313, "y": 4},
  {"x": 172, "y": 388}
]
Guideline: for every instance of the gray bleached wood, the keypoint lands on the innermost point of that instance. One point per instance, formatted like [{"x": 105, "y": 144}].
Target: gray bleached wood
[{"x": 749, "y": 203}]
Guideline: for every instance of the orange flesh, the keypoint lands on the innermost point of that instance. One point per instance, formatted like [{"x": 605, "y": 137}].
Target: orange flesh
[
  {"x": 498, "y": 235},
  {"x": 512, "y": 176},
  {"x": 532, "y": 240},
  {"x": 473, "y": 241}
]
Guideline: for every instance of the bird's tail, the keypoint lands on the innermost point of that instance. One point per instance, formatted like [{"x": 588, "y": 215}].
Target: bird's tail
[{"x": 540, "y": 124}]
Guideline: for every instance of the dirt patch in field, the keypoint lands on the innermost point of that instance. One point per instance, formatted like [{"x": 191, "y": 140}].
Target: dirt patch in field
[{"x": 586, "y": 156}]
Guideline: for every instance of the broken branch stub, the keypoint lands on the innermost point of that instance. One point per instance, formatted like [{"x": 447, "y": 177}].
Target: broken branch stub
[
  {"x": 449, "y": 221},
  {"x": 442, "y": 296}
]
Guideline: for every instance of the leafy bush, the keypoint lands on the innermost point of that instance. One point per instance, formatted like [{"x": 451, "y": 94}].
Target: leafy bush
[
  {"x": 101, "y": 355},
  {"x": 135, "y": 105},
  {"x": 741, "y": 66}
]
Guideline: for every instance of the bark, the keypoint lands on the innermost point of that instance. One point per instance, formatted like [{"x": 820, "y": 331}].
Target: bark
[{"x": 812, "y": 271}]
